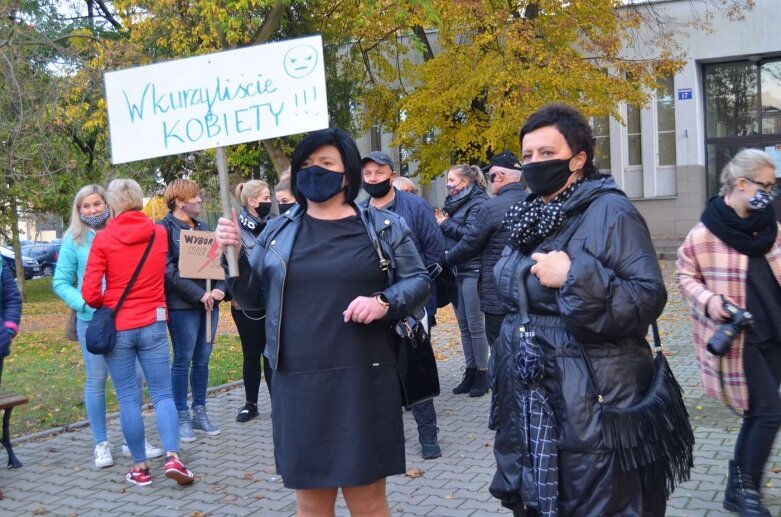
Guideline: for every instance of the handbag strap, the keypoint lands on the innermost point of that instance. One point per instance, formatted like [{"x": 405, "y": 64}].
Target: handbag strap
[
  {"x": 135, "y": 274},
  {"x": 592, "y": 376},
  {"x": 384, "y": 262}
]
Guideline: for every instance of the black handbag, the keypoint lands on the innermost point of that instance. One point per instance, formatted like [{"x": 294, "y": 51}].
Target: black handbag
[
  {"x": 653, "y": 434},
  {"x": 411, "y": 343},
  {"x": 101, "y": 332}
]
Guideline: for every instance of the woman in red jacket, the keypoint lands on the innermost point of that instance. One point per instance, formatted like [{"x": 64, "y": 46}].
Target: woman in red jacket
[{"x": 140, "y": 324}]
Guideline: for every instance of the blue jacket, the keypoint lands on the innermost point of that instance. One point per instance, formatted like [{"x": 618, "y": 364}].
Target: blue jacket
[
  {"x": 69, "y": 274},
  {"x": 424, "y": 231},
  {"x": 11, "y": 305},
  {"x": 262, "y": 276}
]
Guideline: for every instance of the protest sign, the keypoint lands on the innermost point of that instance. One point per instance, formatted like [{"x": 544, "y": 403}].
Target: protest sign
[
  {"x": 215, "y": 100},
  {"x": 199, "y": 256}
]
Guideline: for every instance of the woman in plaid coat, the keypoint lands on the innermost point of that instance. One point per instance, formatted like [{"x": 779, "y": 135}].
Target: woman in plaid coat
[{"x": 734, "y": 255}]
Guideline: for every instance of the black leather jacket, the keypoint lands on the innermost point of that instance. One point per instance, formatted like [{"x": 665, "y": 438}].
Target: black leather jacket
[
  {"x": 182, "y": 293},
  {"x": 262, "y": 275}
]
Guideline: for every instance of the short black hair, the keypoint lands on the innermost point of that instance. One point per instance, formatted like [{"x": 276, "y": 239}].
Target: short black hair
[
  {"x": 572, "y": 125},
  {"x": 351, "y": 159}
]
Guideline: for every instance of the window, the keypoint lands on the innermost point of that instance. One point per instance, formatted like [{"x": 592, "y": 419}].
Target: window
[
  {"x": 665, "y": 120},
  {"x": 601, "y": 127},
  {"x": 771, "y": 97},
  {"x": 731, "y": 99},
  {"x": 634, "y": 134}
]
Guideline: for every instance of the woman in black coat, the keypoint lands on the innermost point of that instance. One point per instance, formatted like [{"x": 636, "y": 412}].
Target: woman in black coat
[
  {"x": 466, "y": 188},
  {"x": 580, "y": 262}
]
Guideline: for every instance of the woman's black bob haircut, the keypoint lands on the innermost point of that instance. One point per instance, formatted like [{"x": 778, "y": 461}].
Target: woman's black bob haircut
[
  {"x": 572, "y": 125},
  {"x": 351, "y": 159}
]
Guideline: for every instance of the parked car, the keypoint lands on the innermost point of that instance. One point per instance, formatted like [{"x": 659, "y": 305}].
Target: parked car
[
  {"x": 45, "y": 254},
  {"x": 31, "y": 266}
]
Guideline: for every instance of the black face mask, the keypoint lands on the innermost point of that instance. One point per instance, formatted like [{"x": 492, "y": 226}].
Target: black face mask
[
  {"x": 318, "y": 184},
  {"x": 377, "y": 189},
  {"x": 284, "y": 207},
  {"x": 545, "y": 178},
  {"x": 264, "y": 208}
]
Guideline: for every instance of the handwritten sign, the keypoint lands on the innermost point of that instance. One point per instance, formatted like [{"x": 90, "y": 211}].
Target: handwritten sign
[
  {"x": 217, "y": 100},
  {"x": 199, "y": 256}
]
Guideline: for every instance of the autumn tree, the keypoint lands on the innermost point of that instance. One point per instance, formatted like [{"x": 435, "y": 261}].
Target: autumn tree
[{"x": 455, "y": 80}]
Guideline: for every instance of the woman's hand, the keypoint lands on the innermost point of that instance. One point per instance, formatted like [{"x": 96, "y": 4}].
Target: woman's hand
[
  {"x": 217, "y": 295},
  {"x": 364, "y": 309},
  {"x": 208, "y": 301},
  {"x": 228, "y": 232},
  {"x": 440, "y": 215},
  {"x": 551, "y": 268},
  {"x": 715, "y": 308}
]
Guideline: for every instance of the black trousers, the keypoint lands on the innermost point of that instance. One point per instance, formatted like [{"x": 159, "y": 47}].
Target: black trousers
[
  {"x": 252, "y": 332},
  {"x": 493, "y": 325},
  {"x": 762, "y": 364}
]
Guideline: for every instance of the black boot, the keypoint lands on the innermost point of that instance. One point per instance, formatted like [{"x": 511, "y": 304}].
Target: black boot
[
  {"x": 466, "y": 382},
  {"x": 429, "y": 447},
  {"x": 480, "y": 386},
  {"x": 746, "y": 498}
]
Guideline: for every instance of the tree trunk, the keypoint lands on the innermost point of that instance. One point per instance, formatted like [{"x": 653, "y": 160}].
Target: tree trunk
[
  {"x": 20, "y": 281},
  {"x": 277, "y": 155}
]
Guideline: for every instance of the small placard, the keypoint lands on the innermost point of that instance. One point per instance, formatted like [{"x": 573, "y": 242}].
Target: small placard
[
  {"x": 199, "y": 255},
  {"x": 685, "y": 94}
]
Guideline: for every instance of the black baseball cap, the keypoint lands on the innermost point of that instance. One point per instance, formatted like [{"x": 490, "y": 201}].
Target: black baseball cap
[
  {"x": 506, "y": 160},
  {"x": 378, "y": 157}
]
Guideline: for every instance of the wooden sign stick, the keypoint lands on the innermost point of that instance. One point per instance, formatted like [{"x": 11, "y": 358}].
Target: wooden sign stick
[
  {"x": 209, "y": 314},
  {"x": 222, "y": 170}
]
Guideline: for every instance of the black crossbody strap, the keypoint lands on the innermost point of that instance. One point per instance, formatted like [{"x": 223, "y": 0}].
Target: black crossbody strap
[{"x": 135, "y": 275}]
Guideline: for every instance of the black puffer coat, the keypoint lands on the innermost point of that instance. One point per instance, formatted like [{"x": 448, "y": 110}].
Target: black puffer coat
[
  {"x": 613, "y": 292},
  {"x": 486, "y": 238},
  {"x": 462, "y": 210}
]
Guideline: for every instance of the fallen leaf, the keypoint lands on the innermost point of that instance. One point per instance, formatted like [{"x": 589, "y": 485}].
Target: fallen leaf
[
  {"x": 248, "y": 476},
  {"x": 700, "y": 408},
  {"x": 198, "y": 514},
  {"x": 776, "y": 470},
  {"x": 40, "y": 511},
  {"x": 414, "y": 473},
  {"x": 770, "y": 484}
]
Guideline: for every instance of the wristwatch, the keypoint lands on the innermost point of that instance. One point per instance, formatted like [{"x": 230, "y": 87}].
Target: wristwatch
[{"x": 380, "y": 298}]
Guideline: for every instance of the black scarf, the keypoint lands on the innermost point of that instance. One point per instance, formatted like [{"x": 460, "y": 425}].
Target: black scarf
[
  {"x": 531, "y": 221},
  {"x": 752, "y": 236}
]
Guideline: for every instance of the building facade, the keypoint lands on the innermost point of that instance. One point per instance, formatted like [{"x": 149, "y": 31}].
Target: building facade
[{"x": 668, "y": 154}]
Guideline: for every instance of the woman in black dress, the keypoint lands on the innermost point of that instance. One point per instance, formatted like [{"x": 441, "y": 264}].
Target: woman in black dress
[{"x": 336, "y": 401}]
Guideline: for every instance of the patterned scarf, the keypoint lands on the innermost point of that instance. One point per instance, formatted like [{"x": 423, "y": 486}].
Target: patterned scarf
[{"x": 531, "y": 221}]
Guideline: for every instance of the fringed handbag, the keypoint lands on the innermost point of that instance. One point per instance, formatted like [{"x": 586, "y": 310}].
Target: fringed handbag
[{"x": 654, "y": 434}]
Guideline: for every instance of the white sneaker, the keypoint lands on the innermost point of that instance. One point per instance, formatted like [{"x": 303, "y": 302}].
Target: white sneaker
[
  {"x": 103, "y": 456},
  {"x": 151, "y": 450}
]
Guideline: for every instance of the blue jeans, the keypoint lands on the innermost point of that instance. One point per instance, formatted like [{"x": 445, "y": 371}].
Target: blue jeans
[
  {"x": 191, "y": 353},
  {"x": 149, "y": 346},
  {"x": 95, "y": 385},
  {"x": 471, "y": 323}
]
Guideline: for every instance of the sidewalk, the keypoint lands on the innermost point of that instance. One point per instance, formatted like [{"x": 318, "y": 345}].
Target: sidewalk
[{"x": 235, "y": 470}]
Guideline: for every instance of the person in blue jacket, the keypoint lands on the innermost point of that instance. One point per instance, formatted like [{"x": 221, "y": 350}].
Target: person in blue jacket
[
  {"x": 89, "y": 215},
  {"x": 378, "y": 177},
  {"x": 11, "y": 307}
]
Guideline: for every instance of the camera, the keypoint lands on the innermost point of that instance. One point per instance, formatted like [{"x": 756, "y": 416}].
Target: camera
[{"x": 740, "y": 319}]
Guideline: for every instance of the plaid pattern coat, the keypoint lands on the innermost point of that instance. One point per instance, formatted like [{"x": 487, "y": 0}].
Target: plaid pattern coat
[{"x": 706, "y": 267}]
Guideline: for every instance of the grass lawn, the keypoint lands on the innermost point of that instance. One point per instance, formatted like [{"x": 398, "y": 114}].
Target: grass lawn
[{"x": 49, "y": 369}]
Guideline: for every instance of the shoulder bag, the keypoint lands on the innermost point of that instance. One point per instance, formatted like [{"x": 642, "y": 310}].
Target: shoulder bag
[
  {"x": 655, "y": 432},
  {"x": 101, "y": 333},
  {"x": 411, "y": 343}
]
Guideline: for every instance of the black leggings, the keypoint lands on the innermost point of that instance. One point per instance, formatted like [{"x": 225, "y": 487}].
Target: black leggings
[
  {"x": 762, "y": 364},
  {"x": 252, "y": 332}
]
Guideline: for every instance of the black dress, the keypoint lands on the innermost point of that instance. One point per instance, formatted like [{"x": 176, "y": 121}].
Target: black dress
[{"x": 336, "y": 401}]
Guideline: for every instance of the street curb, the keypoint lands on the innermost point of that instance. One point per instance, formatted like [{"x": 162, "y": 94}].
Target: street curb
[{"x": 85, "y": 423}]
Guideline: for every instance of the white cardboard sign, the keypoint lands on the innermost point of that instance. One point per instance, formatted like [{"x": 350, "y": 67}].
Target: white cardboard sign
[{"x": 215, "y": 100}]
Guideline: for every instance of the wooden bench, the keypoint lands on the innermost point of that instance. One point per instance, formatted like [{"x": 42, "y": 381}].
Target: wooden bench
[{"x": 8, "y": 401}]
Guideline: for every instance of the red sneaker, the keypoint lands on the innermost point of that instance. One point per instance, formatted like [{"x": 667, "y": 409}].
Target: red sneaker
[
  {"x": 139, "y": 477},
  {"x": 176, "y": 470}
]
